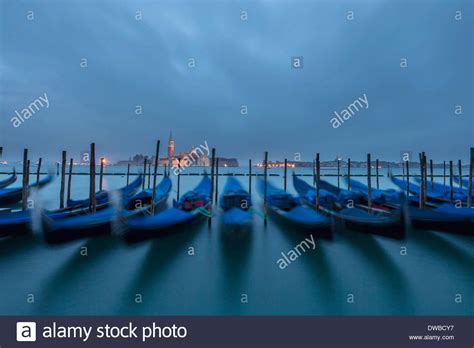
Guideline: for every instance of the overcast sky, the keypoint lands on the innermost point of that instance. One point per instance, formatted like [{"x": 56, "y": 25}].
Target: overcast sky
[{"x": 238, "y": 62}]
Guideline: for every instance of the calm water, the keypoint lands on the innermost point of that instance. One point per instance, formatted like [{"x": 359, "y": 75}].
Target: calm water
[{"x": 228, "y": 269}]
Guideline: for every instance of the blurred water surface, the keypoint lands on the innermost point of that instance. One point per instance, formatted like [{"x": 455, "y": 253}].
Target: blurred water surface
[{"x": 235, "y": 273}]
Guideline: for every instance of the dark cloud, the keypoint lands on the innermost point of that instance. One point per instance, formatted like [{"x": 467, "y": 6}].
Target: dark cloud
[{"x": 238, "y": 63}]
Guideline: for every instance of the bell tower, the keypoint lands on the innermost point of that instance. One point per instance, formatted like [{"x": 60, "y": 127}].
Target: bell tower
[{"x": 170, "y": 147}]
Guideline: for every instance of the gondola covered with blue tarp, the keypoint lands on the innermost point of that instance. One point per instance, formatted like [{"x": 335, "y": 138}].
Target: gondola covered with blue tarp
[
  {"x": 236, "y": 203},
  {"x": 13, "y": 195},
  {"x": 192, "y": 206},
  {"x": 288, "y": 209},
  {"x": 100, "y": 222},
  {"x": 348, "y": 207}
]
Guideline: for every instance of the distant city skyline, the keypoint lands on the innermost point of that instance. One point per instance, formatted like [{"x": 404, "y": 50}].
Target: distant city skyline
[{"x": 287, "y": 79}]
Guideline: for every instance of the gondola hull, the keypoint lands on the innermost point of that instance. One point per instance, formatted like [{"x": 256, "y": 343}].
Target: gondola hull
[
  {"x": 170, "y": 220},
  {"x": 100, "y": 222},
  {"x": 10, "y": 180},
  {"x": 289, "y": 211},
  {"x": 236, "y": 202},
  {"x": 10, "y": 196},
  {"x": 333, "y": 202},
  {"x": 103, "y": 197},
  {"x": 444, "y": 218}
]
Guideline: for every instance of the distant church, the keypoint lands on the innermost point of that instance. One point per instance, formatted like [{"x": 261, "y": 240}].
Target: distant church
[
  {"x": 170, "y": 147},
  {"x": 173, "y": 159}
]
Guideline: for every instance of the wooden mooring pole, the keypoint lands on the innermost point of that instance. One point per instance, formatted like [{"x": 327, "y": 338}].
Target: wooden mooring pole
[
  {"x": 444, "y": 173},
  {"x": 265, "y": 171},
  {"x": 38, "y": 171},
  {"x": 144, "y": 173},
  {"x": 128, "y": 173},
  {"x": 211, "y": 193},
  {"x": 149, "y": 173},
  {"x": 408, "y": 177},
  {"x": 338, "y": 171},
  {"x": 285, "y": 172},
  {"x": 92, "y": 200},
  {"x": 349, "y": 174},
  {"x": 217, "y": 181},
  {"x": 101, "y": 174},
  {"x": 69, "y": 180},
  {"x": 24, "y": 189},
  {"x": 155, "y": 171},
  {"x": 469, "y": 183},
  {"x": 369, "y": 183},
  {"x": 63, "y": 180},
  {"x": 179, "y": 181},
  {"x": 460, "y": 173},
  {"x": 451, "y": 193},
  {"x": 250, "y": 176},
  {"x": 422, "y": 184},
  {"x": 318, "y": 180},
  {"x": 377, "y": 172},
  {"x": 425, "y": 178},
  {"x": 431, "y": 174}
]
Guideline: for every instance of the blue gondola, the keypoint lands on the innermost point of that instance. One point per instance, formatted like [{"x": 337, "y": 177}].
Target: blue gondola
[
  {"x": 19, "y": 222},
  {"x": 288, "y": 209},
  {"x": 101, "y": 222},
  {"x": 434, "y": 196},
  {"x": 102, "y": 197},
  {"x": 445, "y": 217},
  {"x": 9, "y": 196},
  {"x": 192, "y": 206},
  {"x": 236, "y": 202},
  {"x": 348, "y": 207},
  {"x": 8, "y": 181},
  {"x": 458, "y": 192}
]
